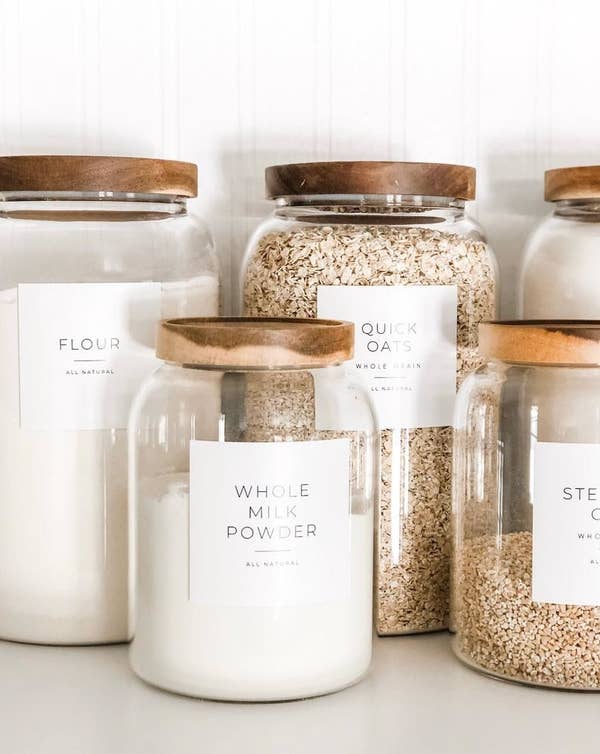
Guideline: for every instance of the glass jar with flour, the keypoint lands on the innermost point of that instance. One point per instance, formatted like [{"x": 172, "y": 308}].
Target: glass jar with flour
[
  {"x": 562, "y": 257},
  {"x": 94, "y": 251},
  {"x": 254, "y": 531}
]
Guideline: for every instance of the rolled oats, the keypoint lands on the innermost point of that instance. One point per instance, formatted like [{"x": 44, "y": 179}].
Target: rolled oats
[{"x": 282, "y": 279}]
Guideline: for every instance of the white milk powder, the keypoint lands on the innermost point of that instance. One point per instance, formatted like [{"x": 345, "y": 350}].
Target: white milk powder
[{"x": 225, "y": 651}]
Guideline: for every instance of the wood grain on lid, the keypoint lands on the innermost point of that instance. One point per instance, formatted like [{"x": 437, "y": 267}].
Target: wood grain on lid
[
  {"x": 82, "y": 173},
  {"x": 558, "y": 342},
  {"x": 408, "y": 178},
  {"x": 255, "y": 343},
  {"x": 572, "y": 183}
]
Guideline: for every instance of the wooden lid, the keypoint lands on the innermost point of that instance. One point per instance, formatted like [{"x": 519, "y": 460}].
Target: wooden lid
[
  {"x": 551, "y": 342},
  {"x": 114, "y": 174},
  {"x": 572, "y": 183},
  {"x": 255, "y": 343},
  {"x": 409, "y": 178}
]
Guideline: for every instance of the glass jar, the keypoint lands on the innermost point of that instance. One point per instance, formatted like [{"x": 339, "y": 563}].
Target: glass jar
[
  {"x": 93, "y": 250},
  {"x": 254, "y": 521},
  {"x": 562, "y": 261},
  {"x": 526, "y": 581},
  {"x": 388, "y": 246}
]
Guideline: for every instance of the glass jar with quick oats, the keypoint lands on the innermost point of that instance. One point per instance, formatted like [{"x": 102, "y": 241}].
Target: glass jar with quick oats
[{"x": 388, "y": 246}]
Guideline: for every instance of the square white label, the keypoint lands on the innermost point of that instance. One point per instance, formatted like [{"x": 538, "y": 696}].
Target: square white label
[
  {"x": 405, "y": 349},
  {"x": 84, "y": 348},
  {"x": 269, "y": 522},
  {"x": 566, "y": 523}
]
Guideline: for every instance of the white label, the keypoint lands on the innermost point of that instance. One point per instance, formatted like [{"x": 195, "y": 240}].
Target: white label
[
  {"x": 84, "y": 348},
  {"x": 269, "y": 522},
  {"x": 405, "y": 349},
  {"x": 566, "y": 523}
]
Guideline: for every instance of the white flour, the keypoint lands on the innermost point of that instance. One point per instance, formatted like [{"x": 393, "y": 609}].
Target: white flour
[
  {"x": 233, "y": 652},
  {"x": 63, "y": 506},
  {"x": 560, "y": 273}
]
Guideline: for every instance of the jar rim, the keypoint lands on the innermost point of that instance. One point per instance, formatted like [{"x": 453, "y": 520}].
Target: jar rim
[
  {"x": 95, "y": 173},
  {"x": 255, "y": 342},
  {"x": 370, "y": 177},
  {"x": 558, "y": 342}
]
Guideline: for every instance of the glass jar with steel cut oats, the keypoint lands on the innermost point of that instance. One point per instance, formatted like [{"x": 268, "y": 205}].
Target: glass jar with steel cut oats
[
  {"x": 526, "y": 565},
  {"x": 388, "y": 245}
]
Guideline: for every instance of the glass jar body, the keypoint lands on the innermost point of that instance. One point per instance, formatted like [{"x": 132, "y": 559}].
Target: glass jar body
[
  {"x": 82, "y": 277},
  {"x": 403, "y": 268},
  {"x": 561, "y": 264},
  {"x": 231, "y": 609},
  {"x": 527, "y": 447}
]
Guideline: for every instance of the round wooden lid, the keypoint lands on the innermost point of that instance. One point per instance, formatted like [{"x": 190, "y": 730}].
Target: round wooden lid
[
  {"x": 551, "y": 342},
  {"x": 255, "y": 343},
  {"x": 572, "y": 183},
  {"x": 138, "y": 175},
  {"x": 409, "y": 178}
]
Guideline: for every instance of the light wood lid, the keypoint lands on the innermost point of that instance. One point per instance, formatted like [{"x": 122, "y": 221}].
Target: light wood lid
[
  {"x": 138, "y": 175},
  {"x": 572, "y": 183},
  {"x": 557, "y": 342},
  {"x": 255, "y": 343},
  {"x": 408, "y": 178}
]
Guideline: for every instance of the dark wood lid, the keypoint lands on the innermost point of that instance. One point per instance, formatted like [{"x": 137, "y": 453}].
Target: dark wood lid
[
  {"x": 557, "y": 342},
  {"x": 572, "y": 183},
  {"x": 409, "y": 178},
  {"x": 80, "y": 173},
  {"x": 255, "y": 343}
]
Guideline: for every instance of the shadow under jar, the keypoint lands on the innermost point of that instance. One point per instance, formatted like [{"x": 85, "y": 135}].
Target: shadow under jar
[
  {"x": 254, "y": 521},
  {"x": 526, "y": 572},
  {"x": 93, "y": 251},
  {"x": 388, "y": 245}
]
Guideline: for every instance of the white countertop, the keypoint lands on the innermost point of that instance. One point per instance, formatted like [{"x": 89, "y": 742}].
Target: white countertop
[{"x": 417, "y": 699}]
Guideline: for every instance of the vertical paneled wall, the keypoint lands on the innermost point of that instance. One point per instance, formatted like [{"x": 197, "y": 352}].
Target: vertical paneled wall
[{"x": 235, "y": 85}]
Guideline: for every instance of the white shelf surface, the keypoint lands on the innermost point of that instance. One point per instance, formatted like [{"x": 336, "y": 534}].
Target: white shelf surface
[{"x": 417, "y": 699}]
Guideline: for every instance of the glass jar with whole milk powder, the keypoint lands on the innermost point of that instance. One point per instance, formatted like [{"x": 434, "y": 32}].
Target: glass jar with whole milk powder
[
  {"x": 254, "y": 520},
  {"x": 526, "y": 575},
  {"x": 561, "y": 265},
  {"x": 390, "y": 247},
  {"x": 93, "y": 252}
]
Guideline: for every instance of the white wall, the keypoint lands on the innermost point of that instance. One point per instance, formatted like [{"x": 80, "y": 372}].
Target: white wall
[{"x": 234, "y": 85}]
